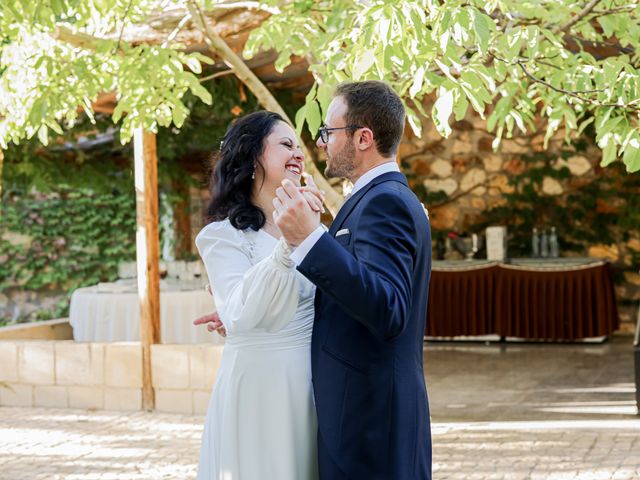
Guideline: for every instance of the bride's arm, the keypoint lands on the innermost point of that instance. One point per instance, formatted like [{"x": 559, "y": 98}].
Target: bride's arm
[{"x": 263, "y": 296}]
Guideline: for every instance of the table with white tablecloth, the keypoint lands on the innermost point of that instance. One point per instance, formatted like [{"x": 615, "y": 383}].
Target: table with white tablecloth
[{"x": 111, "y": 313}]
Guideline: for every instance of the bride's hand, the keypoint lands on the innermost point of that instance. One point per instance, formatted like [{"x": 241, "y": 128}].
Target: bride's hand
[{"x": 314, "y": 197}]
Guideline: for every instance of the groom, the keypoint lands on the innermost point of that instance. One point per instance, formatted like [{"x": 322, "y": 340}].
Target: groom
[{"x": 372, "y": 274}]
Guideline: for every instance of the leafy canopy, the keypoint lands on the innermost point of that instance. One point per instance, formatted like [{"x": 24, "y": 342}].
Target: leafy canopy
[
  {"x": 521, "y": 64},
  {"x": 44, "y": 79}
]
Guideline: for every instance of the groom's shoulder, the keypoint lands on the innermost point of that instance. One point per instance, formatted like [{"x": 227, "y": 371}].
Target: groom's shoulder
[
  {"x": 393, "y": 197},
  {"x": 393, "y": 191}
]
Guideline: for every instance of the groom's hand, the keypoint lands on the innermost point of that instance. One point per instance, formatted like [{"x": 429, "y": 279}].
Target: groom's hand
[
  {"x": 293, "y": 215},
  {"x": 213, "y": 323}
]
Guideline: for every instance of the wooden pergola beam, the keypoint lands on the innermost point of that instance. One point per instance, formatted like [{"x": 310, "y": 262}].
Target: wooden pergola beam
[{"x": 148, "y": 253}]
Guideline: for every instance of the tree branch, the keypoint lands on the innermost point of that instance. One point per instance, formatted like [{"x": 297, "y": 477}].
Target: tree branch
[
  {"x": 249, "y": 6},
  {"x": 124, "y": 21},
  {"x": 216, "y": 75},
  {"x": 486, "y": 184},
  {"x": 585, "y": 11},
  {"x": 575, "y": 94},
  {"x": 220, "y": 48},
  {"x": 611, "y": 11}
]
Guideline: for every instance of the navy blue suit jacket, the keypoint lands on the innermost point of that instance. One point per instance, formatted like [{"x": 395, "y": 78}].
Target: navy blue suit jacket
[{"x": 366, "y": 349}]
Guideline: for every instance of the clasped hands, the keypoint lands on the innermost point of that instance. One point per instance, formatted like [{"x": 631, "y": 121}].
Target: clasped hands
[
  {"x": 297, "y": 214},
  {"x": 297, "y": 210}
]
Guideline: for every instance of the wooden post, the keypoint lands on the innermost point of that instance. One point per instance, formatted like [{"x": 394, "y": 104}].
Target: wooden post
[{"x": 147, "y": 248}]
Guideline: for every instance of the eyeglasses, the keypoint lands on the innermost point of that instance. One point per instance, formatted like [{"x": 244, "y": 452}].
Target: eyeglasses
[{"x": 324, "y": 131}]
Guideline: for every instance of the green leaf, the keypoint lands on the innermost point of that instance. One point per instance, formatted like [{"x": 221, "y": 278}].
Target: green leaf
[
  {"x": 179, "y": 114},
  {"x": 43, "y": 135},
  {"x": 118, "y": 111},
  {"x": 460, "y": 108},
  {"x": 301, "y": 114},
  {"x": 202, "y": 93},
  {"x": 417, "y": 82},
  {"x": 631, "y": 156},
  {"x": 610, "y": 71},
  {"x": 202, "y": 58},
  {"x": 313, "y": 117},
  {"x": 483, "y": 27},
  {"x": 312, "y": 93},
  {"x": 608, "y": 24},
  {"x": 364, "y": 63},
  {"x": 193, "y": 64},
  {"x": 414, "y": 121},
  {"x": 584, "y": 124},
  {"x": 442, "y": 109},
  {"x": 324, "y": 96},
  {"x": 608, "y": 127},
  {"x": 608, "y": 154},
  {"x": 283, "y": 61}
]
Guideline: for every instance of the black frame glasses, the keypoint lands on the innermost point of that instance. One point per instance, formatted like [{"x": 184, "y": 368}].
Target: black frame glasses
[{"x": 323, "y": 132}]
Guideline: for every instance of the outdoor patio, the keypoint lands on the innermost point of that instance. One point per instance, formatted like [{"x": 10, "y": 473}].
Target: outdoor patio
[
  {"x": 512, "y": 411},
  {"x": 522, "y": 142}
]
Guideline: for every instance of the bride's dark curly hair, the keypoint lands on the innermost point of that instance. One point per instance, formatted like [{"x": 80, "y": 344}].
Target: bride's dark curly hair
[{"x": 231, "y": 179}]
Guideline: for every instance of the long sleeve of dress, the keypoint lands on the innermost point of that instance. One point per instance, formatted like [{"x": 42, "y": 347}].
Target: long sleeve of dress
[{"x": 262, "y": 296}]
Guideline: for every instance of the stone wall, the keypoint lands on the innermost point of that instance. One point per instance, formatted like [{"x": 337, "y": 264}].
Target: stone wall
[
  {"x": 105, "y": 376},
  {"x": 475, "y": 178},
  {"x": 17, "y": 305}
]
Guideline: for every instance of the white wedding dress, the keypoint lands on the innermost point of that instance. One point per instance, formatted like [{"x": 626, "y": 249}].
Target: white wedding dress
[{"x": 261, "y": 420}]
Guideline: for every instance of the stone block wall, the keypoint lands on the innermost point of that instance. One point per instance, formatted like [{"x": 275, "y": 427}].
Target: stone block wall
[
  {"x": 105, "y": 376},
  {"x": 473, "y": 178}
]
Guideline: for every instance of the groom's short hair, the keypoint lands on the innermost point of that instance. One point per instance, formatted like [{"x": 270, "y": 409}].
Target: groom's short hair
[{"x": 375, "y": 105}]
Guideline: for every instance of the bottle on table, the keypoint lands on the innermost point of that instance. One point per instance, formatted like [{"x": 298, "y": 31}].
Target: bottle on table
[
  {"x": 554, "y": 250},
  {"x": 544, "y": 244},
  {"x": 535, "y": 244}
]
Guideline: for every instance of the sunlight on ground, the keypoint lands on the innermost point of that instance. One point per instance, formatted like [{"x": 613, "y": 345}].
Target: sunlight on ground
[
  {"x": 516, "y": 426},
  {"x": 612, "y": 388},
  {"x": 51, "y": 444}
]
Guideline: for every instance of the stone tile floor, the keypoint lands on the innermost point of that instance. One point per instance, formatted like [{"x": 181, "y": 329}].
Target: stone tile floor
[{"x": 500, "y": 411}]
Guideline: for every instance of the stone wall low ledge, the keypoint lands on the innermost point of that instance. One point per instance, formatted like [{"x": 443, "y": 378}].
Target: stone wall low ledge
[{"x": 68, "y": 374}]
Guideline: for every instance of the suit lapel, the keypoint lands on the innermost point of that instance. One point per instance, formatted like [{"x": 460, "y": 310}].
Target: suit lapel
[{"x": 350, "y": 204}]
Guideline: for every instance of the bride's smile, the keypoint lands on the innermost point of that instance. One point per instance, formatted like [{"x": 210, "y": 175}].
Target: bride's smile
[{"x": 282, "y": 158}]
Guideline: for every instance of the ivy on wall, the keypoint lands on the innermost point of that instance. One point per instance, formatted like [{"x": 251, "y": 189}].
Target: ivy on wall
[
  {"x": 65, "y": 240},
  {"x": 65, "y": 221}
]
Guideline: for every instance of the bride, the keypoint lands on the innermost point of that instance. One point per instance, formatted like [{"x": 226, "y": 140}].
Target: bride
[{"x": 261, "y": 420}]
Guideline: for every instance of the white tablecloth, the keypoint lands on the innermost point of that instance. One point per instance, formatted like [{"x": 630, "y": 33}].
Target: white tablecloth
[{"x": 99, "y": 315}]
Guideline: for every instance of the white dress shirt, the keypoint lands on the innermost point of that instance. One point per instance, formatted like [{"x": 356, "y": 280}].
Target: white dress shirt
[{"x": 307, "y": 244}]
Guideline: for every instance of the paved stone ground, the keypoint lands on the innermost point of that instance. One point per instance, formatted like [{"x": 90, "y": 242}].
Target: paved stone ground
[{"x": 514, "y": 411}]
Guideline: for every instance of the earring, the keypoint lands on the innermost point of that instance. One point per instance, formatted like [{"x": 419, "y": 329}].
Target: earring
[{"x": 253, "y": 175}]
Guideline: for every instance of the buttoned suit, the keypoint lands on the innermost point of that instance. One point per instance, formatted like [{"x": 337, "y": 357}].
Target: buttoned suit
[{"x": 372, "y": 271}]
